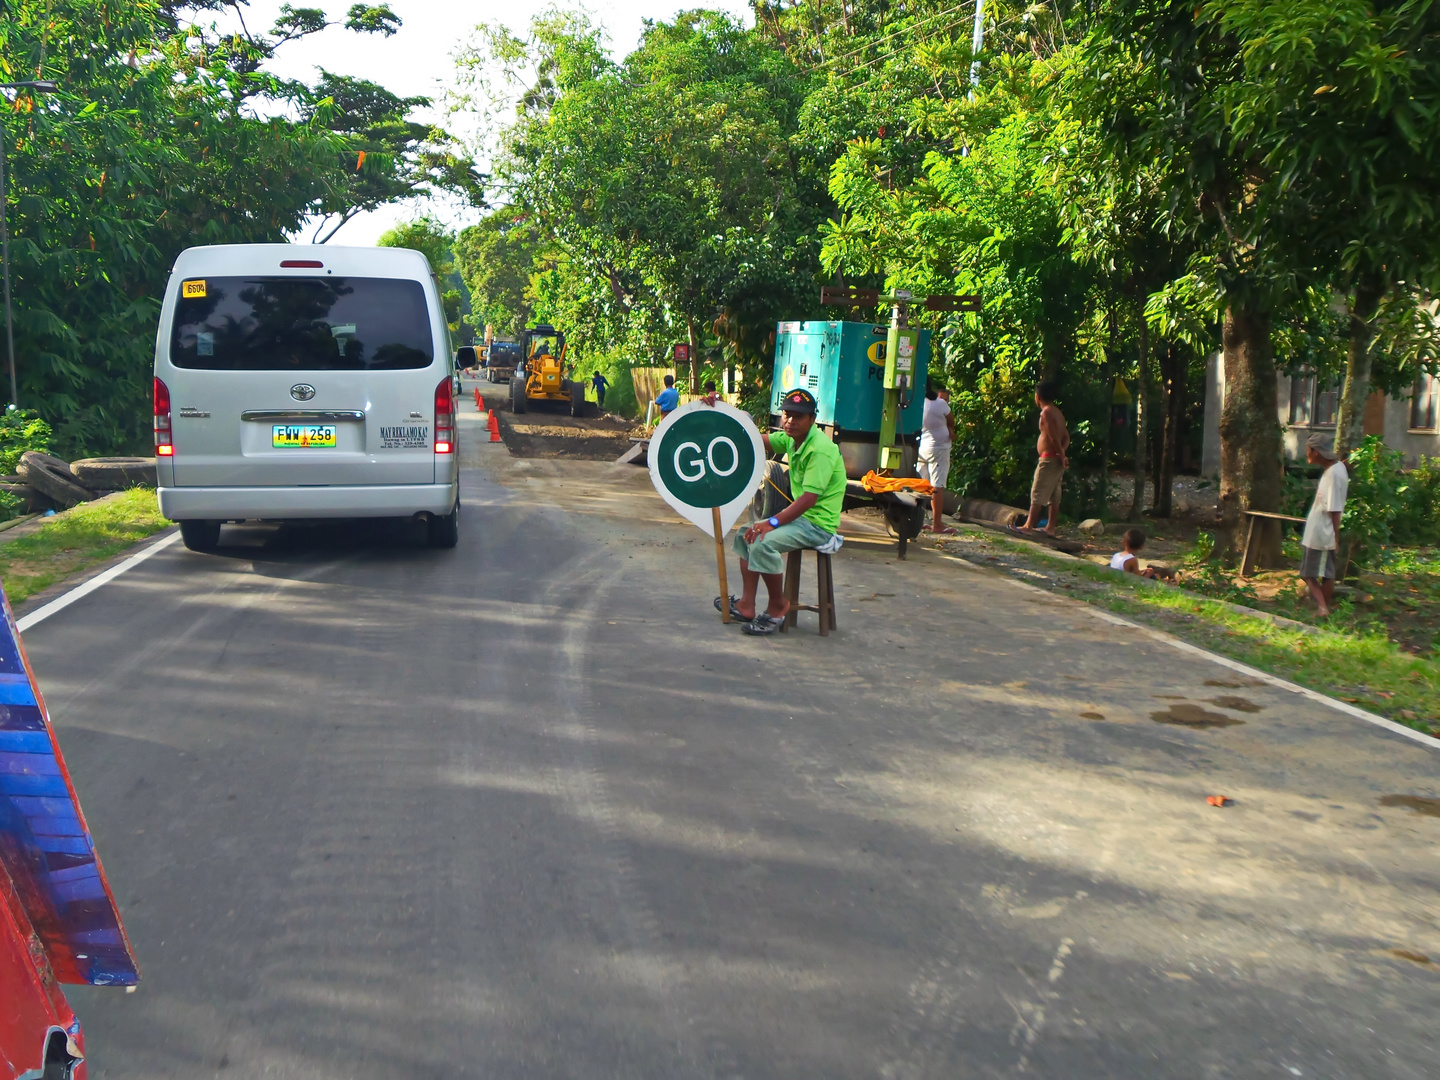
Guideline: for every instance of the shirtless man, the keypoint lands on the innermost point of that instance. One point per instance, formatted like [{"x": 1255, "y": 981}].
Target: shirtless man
[{"x": 1053, "y": 444}]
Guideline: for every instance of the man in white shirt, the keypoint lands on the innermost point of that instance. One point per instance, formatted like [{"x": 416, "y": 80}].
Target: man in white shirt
[
  {"x": 937, "y": 434},
  {"x": 1322, "y": 525}
]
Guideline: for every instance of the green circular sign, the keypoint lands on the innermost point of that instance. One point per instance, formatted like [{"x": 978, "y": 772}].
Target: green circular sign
[{"x": 706, "y": 459}]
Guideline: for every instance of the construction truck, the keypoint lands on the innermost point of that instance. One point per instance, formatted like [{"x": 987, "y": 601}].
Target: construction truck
[
  {"x": 501, "y": 359},
  {"x": 496, "y": 358},
  {"x": 540, "y": 377}
]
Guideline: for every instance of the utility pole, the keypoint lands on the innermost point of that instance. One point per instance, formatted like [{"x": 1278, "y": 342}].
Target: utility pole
[
  {"x": 43, "y": 86},
  {"x": 977, "y": 42}
]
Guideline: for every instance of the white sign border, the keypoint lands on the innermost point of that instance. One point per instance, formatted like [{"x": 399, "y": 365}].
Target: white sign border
[{"x": 700, "y": 516}]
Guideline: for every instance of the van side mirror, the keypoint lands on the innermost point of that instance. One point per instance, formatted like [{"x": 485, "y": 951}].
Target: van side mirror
[{"x": 465, "y": 356}]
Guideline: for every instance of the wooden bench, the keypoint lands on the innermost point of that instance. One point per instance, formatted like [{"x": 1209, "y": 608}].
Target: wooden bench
[{"x": 1252, "y": 537}]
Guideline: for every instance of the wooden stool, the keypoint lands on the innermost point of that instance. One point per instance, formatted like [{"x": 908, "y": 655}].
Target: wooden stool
[{"x": 825, "y": 577}]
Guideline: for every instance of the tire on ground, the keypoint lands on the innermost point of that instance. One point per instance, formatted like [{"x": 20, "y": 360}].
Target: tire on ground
[
  {"x": 518, "y": 404},
  {"x": 768, "y": 501},
  {"x": 577, "y": 399},
  {"x": 904, "y": 521},
  {"x": 35, "y": 502},
  {"x": 444, "y": 532},
  {"x": 115, "y": 473},
  {"x": 200, "y": 535},
  {"x": 51, "y": 476}
]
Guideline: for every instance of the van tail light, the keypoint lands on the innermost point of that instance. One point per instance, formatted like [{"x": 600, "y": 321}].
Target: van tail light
[
  {"x": 163, "y": 446},
  {"x": 445, "y": 417}
]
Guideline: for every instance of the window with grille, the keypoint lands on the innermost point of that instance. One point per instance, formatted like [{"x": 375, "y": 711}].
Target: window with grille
[
  {"x": 1424, "y": 403},
  {"x": 1313, "y": 403}
]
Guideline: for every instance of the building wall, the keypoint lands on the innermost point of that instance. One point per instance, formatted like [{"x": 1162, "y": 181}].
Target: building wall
[
  {"x": 1399, "y": 435},
  {"x": 1214, "y": 401},
  {"x": 1385, "y": 416}
]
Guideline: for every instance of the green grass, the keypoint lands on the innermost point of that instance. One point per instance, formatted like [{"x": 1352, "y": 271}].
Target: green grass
[
  {"x": 1400, "y": 599},
  {"x": 1354, "y": 661},
  {"x": 75, "y": 540}
]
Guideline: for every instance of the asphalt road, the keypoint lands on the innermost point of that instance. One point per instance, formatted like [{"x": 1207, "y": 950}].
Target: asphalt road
[{"x": 526, "y": 809}]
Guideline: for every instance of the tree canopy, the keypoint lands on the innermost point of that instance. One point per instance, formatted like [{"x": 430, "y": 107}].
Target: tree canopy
[
  {"x": 666, "y": 190},
  {"x": 1129, "y": 184},
  {"x": 166, "y": 134}
]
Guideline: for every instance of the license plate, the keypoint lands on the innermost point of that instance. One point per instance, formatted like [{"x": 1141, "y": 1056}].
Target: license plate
[{"x": 303, "y": 436}]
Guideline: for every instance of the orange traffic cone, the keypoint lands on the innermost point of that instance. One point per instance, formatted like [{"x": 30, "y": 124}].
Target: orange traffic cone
[
  {"x": 479, "y": 401},
  {"x": 494, "y": 427}
]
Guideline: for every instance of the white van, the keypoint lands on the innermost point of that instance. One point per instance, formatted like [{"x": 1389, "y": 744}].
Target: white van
[{"x": 296, "y": 382}]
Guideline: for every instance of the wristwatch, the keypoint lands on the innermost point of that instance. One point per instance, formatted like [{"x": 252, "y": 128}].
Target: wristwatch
[{"x": 774, "y": 523}]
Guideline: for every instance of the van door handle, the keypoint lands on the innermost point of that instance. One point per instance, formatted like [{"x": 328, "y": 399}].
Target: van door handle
[{"x": 302, "y": 414}]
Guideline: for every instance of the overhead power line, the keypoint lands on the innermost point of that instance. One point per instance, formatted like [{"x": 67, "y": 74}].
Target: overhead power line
[
  {"x": 910, "y": 45},
  {"x": 894, "y": 33}
]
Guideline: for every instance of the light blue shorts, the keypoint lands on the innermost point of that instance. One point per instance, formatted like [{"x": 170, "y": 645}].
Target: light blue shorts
[{"x": 764, "y": 556}]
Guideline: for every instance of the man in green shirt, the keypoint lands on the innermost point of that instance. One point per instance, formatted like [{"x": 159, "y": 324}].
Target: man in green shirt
[{"x": 817, "y": 482}]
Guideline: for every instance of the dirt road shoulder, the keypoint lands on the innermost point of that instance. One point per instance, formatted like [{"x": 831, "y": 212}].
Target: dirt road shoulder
[{"x": 1363, "y": 669}]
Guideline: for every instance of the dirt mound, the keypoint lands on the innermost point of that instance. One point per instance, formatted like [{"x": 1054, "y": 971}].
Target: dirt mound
[{"x": 555, "y": 434}]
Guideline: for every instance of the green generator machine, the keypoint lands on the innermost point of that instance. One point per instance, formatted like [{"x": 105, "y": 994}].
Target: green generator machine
[{"x": 843, "y": 365}]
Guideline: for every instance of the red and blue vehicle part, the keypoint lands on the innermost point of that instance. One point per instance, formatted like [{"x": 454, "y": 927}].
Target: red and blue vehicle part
[{"x": 58, "y": 918}]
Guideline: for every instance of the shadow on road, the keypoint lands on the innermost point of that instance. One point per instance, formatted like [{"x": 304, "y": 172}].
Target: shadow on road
[{"x": 320, "y": 537}]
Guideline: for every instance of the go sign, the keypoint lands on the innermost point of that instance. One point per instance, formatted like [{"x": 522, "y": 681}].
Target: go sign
[{"x": 702, "y": 457}]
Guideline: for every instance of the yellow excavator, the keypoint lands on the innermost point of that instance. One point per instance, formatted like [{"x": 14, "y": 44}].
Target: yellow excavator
[{"x": 541, "y": 375}]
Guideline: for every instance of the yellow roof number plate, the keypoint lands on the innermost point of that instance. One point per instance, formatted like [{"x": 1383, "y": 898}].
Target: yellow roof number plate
[
  {"x": 303, "y": 436},
  {"x": 192, "y": 290}
]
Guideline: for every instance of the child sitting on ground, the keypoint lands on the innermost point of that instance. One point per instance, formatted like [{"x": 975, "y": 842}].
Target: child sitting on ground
[{"x": 1133, "y": 541}]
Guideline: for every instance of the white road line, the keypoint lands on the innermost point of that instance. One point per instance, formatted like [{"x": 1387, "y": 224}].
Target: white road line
[
  {"x": 1224, "y": 661},
  {"x": 60, "y": 603}
]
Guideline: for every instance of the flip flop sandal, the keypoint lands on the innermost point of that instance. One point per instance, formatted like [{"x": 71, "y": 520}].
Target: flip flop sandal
[
  {"x": 763, "y": 623},
  {"x": 947, "y": 531},
  {"x": 734, "y": 610}
]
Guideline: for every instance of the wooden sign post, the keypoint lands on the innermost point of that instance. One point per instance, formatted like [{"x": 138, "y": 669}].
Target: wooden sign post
[{"x": 720, "y": 561}]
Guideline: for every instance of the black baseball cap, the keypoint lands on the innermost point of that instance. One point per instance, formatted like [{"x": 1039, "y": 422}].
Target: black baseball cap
[{"x": 799, "y": 401}]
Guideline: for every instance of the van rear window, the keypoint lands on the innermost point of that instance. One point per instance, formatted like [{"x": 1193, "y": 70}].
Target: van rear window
[{"x": 301, "y": 323}]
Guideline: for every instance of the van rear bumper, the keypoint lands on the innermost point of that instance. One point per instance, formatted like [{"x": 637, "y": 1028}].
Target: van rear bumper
[{"x": 295, "y": 503}]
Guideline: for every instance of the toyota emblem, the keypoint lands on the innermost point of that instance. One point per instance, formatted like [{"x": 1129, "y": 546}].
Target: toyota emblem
[{"x": 302, "y": 391}]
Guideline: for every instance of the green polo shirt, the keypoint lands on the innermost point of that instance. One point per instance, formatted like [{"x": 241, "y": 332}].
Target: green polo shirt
[{"x": 815, "y": 466}]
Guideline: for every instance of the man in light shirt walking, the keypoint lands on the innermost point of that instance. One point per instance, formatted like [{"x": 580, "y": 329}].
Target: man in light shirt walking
[
  {"x": 937, "y": 435},
  {"x": 1322, "y": 524}
]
